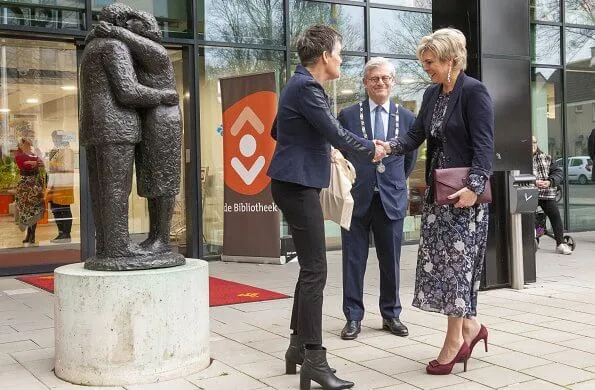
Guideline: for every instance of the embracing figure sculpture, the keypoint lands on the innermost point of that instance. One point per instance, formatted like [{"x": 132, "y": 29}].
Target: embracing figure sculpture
[{"x": 130, "y": 115}]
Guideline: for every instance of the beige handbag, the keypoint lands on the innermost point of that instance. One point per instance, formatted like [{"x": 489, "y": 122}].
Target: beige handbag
[{"x": 336, "y": 200}]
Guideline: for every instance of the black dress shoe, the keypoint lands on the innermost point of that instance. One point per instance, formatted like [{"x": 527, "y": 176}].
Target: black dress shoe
[
  {"x": 395, "y": 326},
  {"x": 351, "y": 330}
]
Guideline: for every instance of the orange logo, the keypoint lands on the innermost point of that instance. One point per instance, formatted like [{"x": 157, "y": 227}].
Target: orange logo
[
  {"x": 249, "y": 295},
  {"x": 247, "y": 143}
]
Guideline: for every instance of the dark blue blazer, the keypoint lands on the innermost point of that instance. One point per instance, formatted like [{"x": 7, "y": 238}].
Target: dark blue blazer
[
  {"x": 392, "y": 183},
  {"x": 468, "y": 126},
  {"x": 305, "y": 129}
]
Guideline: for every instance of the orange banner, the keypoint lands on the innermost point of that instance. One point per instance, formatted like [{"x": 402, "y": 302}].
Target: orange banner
[{"x": 251, "y": 219}]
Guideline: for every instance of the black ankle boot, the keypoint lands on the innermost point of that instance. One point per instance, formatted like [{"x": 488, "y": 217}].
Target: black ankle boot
[
  {"x": 315, "y": 368},
  {"x": 295, "y": 355}
]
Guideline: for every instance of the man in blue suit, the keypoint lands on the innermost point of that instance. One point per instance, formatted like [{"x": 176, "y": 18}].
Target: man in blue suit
[{"x": 380, "y": 196}]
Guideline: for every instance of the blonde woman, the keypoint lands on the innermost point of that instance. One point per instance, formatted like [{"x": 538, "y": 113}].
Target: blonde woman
[{"x": 457, "y": 121}]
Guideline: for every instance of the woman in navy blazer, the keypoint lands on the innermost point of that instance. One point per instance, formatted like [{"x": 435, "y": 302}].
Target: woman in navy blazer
[
  {"x": 457, "y": 120},
  {"x": 300, "y": 167}
]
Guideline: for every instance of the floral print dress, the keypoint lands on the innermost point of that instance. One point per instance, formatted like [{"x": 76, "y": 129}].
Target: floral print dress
[{"x": 453, "y": 240}]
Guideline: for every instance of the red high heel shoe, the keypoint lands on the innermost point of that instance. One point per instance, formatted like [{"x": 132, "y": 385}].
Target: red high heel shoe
[
  {"x": 435, "y": 368},
  {"x": 481, "y": 335}
]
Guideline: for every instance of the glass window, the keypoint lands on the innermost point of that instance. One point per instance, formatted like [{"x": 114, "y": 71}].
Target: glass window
[
  {"x": 39, "y": 152},
  {"x": 579, "y": 12},
  {"x": 427, "y": 4},
  {"x": 408, "y": 91},
  {"x": 547, "y": 10},
  {"x": 58, "y": 14},
  {"x": 546, "y": 49},
  {"x": 398, "y": 32},
  {"x": 215, "y": 63},
  {"x": 580, "y": 94},
  {"x": 348, "y": 20},
  {"x": 138, "y": 214},
  {"x": 242, "y": 21},
  {"x": 172, "y": 15},
  {"x": 546, "y": 118}
]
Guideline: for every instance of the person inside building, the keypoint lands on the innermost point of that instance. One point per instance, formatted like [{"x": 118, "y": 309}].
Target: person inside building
[
  {"x": 548, "y": 176},
  {"x": 305, "y": 129},
  {"x": 591, "y": 149},
  {"x": 380, "y": 201},
  {"x": 457, "y": 120},
  {"x": 30, "y": 189},
  {"x": 60, "y": 193}
]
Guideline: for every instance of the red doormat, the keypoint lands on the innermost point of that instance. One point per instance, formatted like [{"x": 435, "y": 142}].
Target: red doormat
[{"x": 221, "y": 292}]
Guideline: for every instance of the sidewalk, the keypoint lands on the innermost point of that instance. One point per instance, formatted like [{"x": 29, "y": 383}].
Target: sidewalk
[{"x": 542, "y": 337}]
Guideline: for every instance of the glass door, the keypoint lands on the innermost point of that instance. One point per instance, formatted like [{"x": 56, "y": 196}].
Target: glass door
[{"x": 39, "y": 172}]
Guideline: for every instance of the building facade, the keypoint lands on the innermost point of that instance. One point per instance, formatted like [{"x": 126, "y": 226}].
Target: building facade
[{"x": 40, "y": 48}]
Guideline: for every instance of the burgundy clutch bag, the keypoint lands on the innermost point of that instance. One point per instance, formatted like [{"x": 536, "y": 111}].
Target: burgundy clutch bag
[{"x": 447, "y": 181}]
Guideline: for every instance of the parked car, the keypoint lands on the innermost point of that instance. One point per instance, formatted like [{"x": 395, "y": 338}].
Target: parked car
[{"x": 578, "y": 169}]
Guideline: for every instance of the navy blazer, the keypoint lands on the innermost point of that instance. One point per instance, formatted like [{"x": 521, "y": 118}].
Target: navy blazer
[
  {"x": 467, "y": 127},
  {"x": 392, "y": 183},
  {"x": 304, "y": 129}
]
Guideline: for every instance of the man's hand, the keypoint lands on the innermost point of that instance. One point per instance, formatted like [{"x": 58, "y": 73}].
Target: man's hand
[
  {"x": 542, "y": 183},
  {"x": 170, "y": 97},
  {"x": 467, "y": 198},
  {"x": 104, "y": 29},
  {"x": 379, "y": 153}
]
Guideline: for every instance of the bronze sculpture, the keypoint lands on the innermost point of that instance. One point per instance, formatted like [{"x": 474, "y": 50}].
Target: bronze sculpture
[{"x": 130, "y": 114}]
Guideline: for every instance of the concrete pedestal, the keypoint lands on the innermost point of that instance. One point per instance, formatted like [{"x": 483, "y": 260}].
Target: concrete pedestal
[{"x": 129, "y": 327}]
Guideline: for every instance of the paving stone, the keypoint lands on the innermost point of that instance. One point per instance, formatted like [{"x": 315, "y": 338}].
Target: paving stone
[{"x": 560, "y": 374}]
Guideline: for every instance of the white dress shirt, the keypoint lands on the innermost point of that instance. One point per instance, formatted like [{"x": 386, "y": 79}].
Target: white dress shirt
[{"x": 384, "y": 114}]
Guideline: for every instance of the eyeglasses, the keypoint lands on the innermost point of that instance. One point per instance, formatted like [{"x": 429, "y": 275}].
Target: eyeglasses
[{"x": 376, "y": 79}]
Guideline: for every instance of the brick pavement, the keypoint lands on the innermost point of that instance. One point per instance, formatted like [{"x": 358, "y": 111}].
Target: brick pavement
[{"x": 542, "y": 337}]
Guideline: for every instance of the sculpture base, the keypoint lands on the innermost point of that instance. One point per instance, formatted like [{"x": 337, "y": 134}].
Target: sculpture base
[
  {"x": 122, "y": 328},
  {"x": 159, "y": 260}
]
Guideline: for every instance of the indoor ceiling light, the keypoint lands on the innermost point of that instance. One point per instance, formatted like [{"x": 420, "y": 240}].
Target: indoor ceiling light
[
  {"x": 32, "y": 101},
  {"x": 68, "y": 87},
  {"x": 4, "y": 109}
]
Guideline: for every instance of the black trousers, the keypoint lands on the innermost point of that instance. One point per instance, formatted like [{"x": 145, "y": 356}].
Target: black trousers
[
  {"x": 550, "y": 208},
  {"x": 63, "y": 217},
  {"x": 301, "y": 207}
]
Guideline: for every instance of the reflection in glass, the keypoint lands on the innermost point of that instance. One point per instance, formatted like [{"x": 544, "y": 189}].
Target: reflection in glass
[
  {"x": 59, "y": 14},
  {"x": 242, "y": 21},
  {"x": 408, "y": 91},
  {"x": 38, "y": 102},
  {"x": 580, "y": 12},
  {"x": 398, "y": 32},
  {"x": 546, "y": 47},
  {"x": 427, "y": 4},
  {"x": 215, "y": 63},
  {"x": 580, "y": 44},
  {"x": 580, "y": 120},
  {"x": 348, "y": 20},
  {"x": 171, "y": 15},
  {"x": 547, "y": 10}
]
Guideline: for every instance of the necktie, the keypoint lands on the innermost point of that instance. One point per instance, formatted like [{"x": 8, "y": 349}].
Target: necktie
[{"x": 378, "y": 125}]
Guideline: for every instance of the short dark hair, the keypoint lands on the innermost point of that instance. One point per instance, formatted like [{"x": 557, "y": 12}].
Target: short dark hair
[{"x": 316, "y": 40}]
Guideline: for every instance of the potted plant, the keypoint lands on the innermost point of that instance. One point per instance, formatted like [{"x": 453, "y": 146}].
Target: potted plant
[{"x": 8, "y": 181}]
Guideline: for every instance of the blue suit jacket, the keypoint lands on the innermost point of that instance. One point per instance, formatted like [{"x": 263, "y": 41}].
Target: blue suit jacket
[
  {"x": 304, "y": 129},
  {"x": 468, "y": 126},
  {"x": 392, "y": 183}
]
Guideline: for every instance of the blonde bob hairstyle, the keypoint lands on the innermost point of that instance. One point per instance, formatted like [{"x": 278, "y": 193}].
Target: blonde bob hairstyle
[{"x": 448, "y": 44}]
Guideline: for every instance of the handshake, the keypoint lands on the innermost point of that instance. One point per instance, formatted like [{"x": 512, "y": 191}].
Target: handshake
[{"x": 382, "y": 148}]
